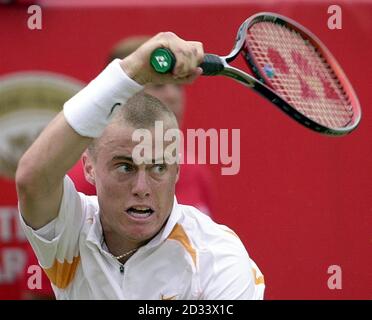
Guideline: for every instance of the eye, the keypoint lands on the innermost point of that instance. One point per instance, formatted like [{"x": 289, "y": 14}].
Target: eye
[
  {"x": 159, "y": 168},
  {"x": 125, "y": 168}
]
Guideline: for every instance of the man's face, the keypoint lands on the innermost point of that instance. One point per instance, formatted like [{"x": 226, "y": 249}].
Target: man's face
[{"x": 135, "y": 199}]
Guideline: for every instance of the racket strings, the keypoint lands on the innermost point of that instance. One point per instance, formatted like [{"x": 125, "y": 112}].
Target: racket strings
[
  {"x": 299, "y": 74},
  {"x": 308, "y": 89}
]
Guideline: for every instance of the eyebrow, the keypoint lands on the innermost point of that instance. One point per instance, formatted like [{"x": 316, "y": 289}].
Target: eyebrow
[
  {"x": 130, "y": 159},
  {"x": 125, "y": 158}
]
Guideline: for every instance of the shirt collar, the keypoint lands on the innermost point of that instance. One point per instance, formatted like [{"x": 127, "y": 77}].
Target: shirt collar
[{"x": 164, "y": 233}]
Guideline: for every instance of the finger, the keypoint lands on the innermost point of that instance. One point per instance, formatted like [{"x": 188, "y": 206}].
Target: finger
[
  {"x": 183, "y": 65},
  {"x": 198, "y": 51},
  {"x": 189, "y": 57},
  {"x": 191, "y": 77}
]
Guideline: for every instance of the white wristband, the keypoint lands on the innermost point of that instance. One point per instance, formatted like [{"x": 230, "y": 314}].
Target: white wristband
[{"x": 91, "y": 109}]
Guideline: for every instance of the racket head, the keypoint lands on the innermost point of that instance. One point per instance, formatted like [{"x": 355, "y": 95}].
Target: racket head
[{"x": 291, "y": 61}]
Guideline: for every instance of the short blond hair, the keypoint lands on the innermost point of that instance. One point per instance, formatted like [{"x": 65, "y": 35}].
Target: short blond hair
[{"x": 140, "y": 111}]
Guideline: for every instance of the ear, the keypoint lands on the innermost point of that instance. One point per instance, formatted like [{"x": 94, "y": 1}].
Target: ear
[
  {"x": 88, "y": 168},
  {"x": 178, "y": 172},
  {"x": 179, "y": 160}
]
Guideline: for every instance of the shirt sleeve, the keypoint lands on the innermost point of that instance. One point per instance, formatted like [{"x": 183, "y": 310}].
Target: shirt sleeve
[
  {"x": 56, "y": 244},
  {"x": 227, "y": 273},
  {"x": 259, "y": 282}
]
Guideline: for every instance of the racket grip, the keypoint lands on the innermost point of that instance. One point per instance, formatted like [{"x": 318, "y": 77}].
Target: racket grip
[
  {"x": 211, "y": 65},
  {"x": 163, "y": 61}
]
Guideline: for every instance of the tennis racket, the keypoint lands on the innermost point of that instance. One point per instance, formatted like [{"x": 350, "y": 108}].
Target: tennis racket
[{"x": 292, "y": 69}]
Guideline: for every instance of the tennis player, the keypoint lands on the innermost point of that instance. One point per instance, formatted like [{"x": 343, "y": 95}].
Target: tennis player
[{"x": 133, "y": 240}]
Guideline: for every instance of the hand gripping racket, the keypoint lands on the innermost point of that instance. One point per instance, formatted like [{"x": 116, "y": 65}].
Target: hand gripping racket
[{"x": 293, "y": 70}]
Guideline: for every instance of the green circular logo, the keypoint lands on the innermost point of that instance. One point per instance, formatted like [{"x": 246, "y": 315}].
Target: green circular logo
[{"x": 162, "y": 60}]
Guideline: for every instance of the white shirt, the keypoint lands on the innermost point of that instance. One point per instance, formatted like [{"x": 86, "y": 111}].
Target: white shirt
[{"x": 192, "y": 257}]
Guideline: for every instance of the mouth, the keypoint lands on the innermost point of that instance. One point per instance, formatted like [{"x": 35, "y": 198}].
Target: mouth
[{"x": 140, "y": 212}]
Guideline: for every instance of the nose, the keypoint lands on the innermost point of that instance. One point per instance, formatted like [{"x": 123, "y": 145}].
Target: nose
[{"x": 141, "y": 187}]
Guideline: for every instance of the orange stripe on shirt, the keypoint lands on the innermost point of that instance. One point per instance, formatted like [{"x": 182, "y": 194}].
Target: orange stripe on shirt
[
  {"x": 179, "y": 234},
  {"x": 259, "y": 280},
  {"x": 62, "y": 274}
]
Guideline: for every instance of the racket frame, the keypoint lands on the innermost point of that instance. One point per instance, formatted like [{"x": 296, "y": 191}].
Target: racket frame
[{"x": 263, "y": 88}]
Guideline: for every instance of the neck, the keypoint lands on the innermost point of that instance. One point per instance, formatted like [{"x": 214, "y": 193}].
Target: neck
[{"x": 118, "y": 245}]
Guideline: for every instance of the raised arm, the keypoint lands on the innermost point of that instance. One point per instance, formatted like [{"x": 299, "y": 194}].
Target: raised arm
[{"x": 42, "y": 168}]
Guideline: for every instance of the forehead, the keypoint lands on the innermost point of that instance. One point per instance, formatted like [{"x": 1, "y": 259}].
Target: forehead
[
  {"x": 118, "y": 140},
  {"x": 116, "y": 136}
]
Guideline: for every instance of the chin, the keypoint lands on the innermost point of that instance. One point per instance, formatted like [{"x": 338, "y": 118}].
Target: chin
[{"x": 139, "y": 235}]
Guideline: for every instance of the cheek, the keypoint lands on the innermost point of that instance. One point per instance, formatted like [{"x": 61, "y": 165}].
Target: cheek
[
  {"x": 107, "y": 185},
  {"x": 165, "y": 190},
  {"x": 111, "y": 195}
]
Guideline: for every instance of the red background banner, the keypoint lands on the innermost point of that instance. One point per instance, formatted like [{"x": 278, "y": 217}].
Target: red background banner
[{"x": 301, "y": 201}]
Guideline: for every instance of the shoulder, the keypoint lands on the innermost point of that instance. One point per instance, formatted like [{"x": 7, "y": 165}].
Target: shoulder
[
  {"x": 207, "y": 236},
  {"x": 89, "y": 204},
  {"x": 224, "y": 266},
  {"x": 77, "y": 201}
]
